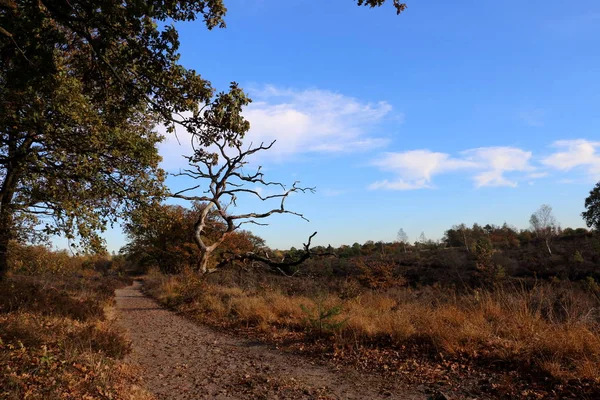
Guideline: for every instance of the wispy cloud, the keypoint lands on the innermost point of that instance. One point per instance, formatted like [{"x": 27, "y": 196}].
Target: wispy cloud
[
  {"x": 495, "y": 162},
  {"x": 301, "y": 121},
  {"x": 174, "y": 147},
  {"x": 537, "y": 175},
  {"x": 314, "y": 121},
  {"x": 575, "y": 154},
  {"x": 415, "y": 169}
]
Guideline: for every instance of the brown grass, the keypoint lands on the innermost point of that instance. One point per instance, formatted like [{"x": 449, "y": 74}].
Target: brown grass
[
  {"x": 552, "y": 329},
  {"x": 55, "y": 341}
]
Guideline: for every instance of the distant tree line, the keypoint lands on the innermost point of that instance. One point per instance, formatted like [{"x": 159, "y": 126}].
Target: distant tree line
[{"x": 543, "y": 227}]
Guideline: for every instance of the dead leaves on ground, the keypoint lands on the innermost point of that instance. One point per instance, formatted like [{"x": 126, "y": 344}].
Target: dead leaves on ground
[{"x": 52, "y": 355}]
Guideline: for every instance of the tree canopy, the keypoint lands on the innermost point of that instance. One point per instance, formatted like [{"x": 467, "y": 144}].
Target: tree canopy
[
  {"x": 163, "y": 236},
  {"x": 83, "y": 83},
  {"x": 592, "y": 205}
]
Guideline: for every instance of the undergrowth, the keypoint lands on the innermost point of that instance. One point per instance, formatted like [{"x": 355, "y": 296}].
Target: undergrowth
[
  {"x": 550, "y": 329},
  {"x": 55, "y": 341}
]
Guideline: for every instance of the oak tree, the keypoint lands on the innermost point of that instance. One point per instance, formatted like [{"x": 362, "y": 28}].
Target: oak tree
[
  {"x": 161, "y": 235},
  {"x": 83, "y": 83}
]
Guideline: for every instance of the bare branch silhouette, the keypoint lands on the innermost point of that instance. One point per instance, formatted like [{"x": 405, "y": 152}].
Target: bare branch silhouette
[{"x": 223, "y": 171}]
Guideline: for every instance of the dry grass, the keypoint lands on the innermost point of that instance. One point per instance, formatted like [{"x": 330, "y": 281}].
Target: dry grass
[
  {"x": 56, "y": 343},
  {"x": 548, "y": 328}
]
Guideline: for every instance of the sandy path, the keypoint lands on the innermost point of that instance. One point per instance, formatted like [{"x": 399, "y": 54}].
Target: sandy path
[{"x": 183, "y": 360}]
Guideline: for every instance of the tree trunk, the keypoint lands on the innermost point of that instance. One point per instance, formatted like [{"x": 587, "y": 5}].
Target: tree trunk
[
  {"x": 203, "y": 263},
  {"x": 548, "y": 246},
  {"x": 12, "y": 175},
  {"x": 6, "y": 197},
  {"x": 204, "y": 249},
  {"x": 4, "y": 240},
  {"x": 5, "y": 236}
]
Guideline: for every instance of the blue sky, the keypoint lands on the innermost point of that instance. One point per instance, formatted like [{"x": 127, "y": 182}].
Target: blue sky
[{"x": 470, "y": 111}]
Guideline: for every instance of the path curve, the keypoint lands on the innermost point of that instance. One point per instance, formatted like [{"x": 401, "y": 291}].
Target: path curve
[{"x": 183, "y": 360}]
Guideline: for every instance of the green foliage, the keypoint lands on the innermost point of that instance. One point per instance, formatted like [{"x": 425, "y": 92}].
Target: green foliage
[
  {"x": 504, "y": 236},
  {"x": 32, "y": 260},
  {"x": 327, "y": 267},
  {"x": 77, "y": 147},
  {"x": 490, "y": 271},
  {"x": 483, "y": 252},
  {"x": 577, "y": 257},
  {"x": 592, "y": 205},
  {"x": 322, "y": 320},
  {"x": 83, "y": 85},
  {"x": 163, "y": 236},
  {"x": 376, "y": 3},
  {"x": 38, "y": 259}
]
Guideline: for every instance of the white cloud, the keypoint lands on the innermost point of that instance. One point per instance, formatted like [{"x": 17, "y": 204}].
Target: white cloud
[
  {"x": 313, "y": 121},
  {"x": 416, "y": 168},
  {"x": 495, "y": 162},
  {"x": 302, "y": 121},
  {"x": 399, "y": 184},
  {"x": 578, "y": 153},
  {"x": 173, "y": 148},
  {"x": 537, "y": 175},
  {"x": 493, "y": 178}
]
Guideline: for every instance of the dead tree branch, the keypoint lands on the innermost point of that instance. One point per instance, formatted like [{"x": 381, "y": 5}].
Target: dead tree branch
[
  {"x": 284, "y": 267},
  {"x": 223, "y": 178}
]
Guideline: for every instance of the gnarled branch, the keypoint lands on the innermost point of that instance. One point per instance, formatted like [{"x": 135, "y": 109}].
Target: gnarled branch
[
  {"x": 285, "y": 267},
  {"x": 222, "y": 170}
]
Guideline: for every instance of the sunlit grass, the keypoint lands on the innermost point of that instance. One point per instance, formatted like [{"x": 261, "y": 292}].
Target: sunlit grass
[{"x": 554, "y": 330}]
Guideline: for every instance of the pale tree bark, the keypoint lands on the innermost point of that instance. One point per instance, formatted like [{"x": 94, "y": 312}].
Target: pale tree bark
[
  {"x": 224, "y": 180},
  {"x": 543, "y": 223},
  {"x": 402, "y": 237},
  {"x": 284, "y": 266},
  {"x": 466, "y": 240},
  {"x": 548, "y": 245}
]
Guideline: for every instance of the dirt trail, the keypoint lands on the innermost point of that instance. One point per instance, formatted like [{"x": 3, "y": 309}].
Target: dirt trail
[{"x": 183, "y": 360}]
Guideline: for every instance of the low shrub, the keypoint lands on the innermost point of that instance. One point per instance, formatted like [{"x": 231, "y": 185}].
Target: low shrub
[
  {"x": 552, "y": 328},
  {"x": 55, "y": 341}
]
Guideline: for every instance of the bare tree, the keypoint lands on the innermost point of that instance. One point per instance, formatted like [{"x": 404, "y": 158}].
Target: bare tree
[
  {"x": 464, "y": 230},
  {"x": 402, "y": 237},
  {"x": 222, "y": 171},
  {"x": 421, "y": 241},
  {"x": 543, "y": 223}
]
